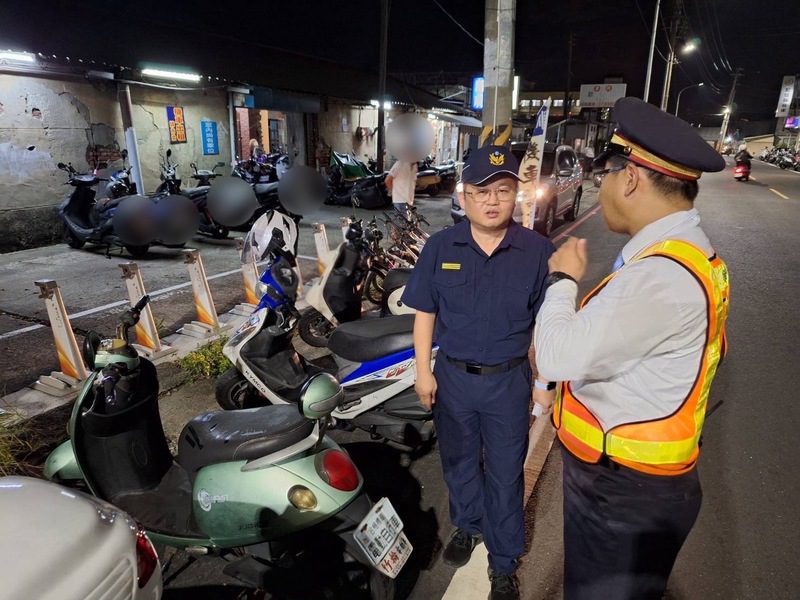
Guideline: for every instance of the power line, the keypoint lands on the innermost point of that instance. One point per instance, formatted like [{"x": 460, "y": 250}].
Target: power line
[{"x": 460, "y": 26}]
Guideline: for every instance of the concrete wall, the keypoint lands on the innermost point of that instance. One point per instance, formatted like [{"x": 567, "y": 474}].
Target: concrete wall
[
  {"x": 337, "y": 129},
  {"x": 43, "y": 122}
]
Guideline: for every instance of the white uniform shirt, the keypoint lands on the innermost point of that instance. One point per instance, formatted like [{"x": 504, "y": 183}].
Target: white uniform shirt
[
  {"x": 404, "y": 181},
  {"x": 634, "y": 351}
]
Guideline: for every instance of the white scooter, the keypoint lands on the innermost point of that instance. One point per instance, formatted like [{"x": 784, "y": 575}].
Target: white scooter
[
  {"x": 337, "y": 295},
  {"x": 374, "y": 358}
]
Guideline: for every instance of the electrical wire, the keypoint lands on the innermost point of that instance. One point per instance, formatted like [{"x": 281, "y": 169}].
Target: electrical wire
[{"x": 460, "y": 26}]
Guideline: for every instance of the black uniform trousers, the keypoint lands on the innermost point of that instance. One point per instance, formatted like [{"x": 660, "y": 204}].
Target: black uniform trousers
[
  {"x": 623, "y": 529},
  {"x": 482, "y": 428}
]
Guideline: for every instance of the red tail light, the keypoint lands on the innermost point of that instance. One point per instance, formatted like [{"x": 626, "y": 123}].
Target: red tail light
[
  {"x": 338, "y": 471},
  {"x": 146, "y": 558}
]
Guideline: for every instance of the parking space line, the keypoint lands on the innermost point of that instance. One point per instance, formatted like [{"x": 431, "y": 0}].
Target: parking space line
[
  {"x": 774, "y": 191},
  {"x": 577, "y": 223},
  {"x": 110, "y": 305}
]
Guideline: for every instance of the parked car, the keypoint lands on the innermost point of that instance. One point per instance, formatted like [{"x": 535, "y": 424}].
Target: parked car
[
  {"x": 60, "y": 544},
  {"x": 558, "y": 194}
]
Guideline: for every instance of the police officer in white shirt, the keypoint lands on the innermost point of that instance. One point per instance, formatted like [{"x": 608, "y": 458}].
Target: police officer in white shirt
[{"x": 636, "y": 361}]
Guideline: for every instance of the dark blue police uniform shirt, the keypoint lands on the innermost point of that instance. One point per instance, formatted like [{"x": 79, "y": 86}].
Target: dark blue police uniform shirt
[{"x": 485, "y": 305}]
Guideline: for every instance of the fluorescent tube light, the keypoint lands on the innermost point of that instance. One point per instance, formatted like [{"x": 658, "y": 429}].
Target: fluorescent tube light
[{"x": 175, "y": 75}]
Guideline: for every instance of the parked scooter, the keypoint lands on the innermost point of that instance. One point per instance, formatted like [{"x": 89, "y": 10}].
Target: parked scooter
[
  {"x": 90, "y": 219},
  {"x": 171, "y": 184},
  {"x": 435, "y": 179},
  {"x": 352, "y": 183},
  {"x": 336, "y": 296},
  {"x": 258, "y": 486},
  {"x": 374, "y": 358}
]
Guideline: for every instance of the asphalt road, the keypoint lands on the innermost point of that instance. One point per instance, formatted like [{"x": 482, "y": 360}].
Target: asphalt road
[{"x": 88, "y": 280}]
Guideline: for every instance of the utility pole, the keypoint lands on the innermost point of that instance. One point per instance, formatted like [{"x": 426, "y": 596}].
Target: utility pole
[
  {"x": 570, "y": 44},
  {"x": 652, "y": 49},
  {"x": 674, "y": 28},
  {"x": 498, "y": 62},
  {"x": 728, "y": 110},
  {"x": 382, "y": 83}
]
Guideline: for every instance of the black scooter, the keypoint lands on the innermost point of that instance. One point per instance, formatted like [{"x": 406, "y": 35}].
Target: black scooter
[{"x": 90, "y": 218}]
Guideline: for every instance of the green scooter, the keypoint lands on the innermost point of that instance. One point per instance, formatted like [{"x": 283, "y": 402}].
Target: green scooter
[{"x": 260, "y": 487}]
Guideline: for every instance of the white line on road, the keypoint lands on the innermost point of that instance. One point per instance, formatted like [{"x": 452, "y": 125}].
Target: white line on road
[
  {"x": 577, "y": 223},
  {"x": 774, "y": 191},
  {"x": 161, "y": 292}
]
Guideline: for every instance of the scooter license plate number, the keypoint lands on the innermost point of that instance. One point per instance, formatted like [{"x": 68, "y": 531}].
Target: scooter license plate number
[{"x": 380, "y": 535}]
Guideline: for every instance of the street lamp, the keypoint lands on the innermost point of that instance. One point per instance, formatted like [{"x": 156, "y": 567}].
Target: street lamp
[
  {"x": 678, "y": 101},
  {"x": 672, "y": 60}
]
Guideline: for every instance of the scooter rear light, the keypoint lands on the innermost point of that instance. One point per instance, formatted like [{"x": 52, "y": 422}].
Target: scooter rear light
[
  {"x": 146, "y": 558},
  {"x": 337, "y": 470}
]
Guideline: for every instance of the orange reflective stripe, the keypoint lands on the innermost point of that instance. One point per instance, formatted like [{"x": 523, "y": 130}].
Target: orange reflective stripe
[{"x": 668, "y": 445}]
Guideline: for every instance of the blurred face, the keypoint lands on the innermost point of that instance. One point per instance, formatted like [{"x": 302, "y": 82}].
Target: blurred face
[{"x": 490, "y": 206}]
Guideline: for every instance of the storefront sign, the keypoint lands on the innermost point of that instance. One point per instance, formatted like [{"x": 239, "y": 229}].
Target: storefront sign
[
  {"x": 785, "y": 99},
  {"x": 477, "y": 93},
  {"x": 602, "y": 95},
  {"x": 208, "y": 130},
  {"x": 177, "y": 125}
]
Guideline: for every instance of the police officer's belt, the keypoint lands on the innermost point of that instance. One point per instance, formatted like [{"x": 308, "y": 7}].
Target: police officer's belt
[{"x": 476, "y": 369}]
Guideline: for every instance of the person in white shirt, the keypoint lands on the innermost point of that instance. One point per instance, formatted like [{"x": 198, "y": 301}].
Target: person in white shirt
[
  {"x": 636, "y": 361},
  {"x": 401, "y": 182}
]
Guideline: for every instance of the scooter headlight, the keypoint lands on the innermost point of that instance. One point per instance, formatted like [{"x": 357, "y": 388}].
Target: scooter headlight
[
  {"x": 302, "y": 498},
  {"x": 261, "y": 289}
]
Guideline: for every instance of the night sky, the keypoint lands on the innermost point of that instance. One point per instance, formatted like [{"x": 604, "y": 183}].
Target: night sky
[{"x": 610, "y": 39}]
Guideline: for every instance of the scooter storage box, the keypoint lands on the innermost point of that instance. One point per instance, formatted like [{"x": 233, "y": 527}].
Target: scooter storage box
[{"x": 126, "y": 451}]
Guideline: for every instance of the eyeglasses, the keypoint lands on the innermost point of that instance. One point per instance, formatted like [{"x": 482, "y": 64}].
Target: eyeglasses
[
  {"x": 597, "y": 176},
  {"x": 503, "y": 194}
]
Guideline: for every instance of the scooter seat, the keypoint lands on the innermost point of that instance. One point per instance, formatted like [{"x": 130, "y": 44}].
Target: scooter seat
[
  {"x": 369, "y": 339},
  {"x": 265, "y": 188},
  {"x": 195, "y": 192},
  {"x": 223, "y": 436},
  {"x": 396, "y": 278}
]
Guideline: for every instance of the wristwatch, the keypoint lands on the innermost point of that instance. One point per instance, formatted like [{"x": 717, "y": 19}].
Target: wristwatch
[
  {"x": 557, "y": 276},
  {"x": 549, "y": 386}
]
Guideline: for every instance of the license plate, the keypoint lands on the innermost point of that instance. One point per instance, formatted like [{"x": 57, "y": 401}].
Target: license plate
[{"x": 380, "y": 535}]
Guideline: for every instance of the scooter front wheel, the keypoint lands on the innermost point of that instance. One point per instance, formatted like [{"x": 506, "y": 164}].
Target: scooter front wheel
[
  {"x": 233, "y": 391},
  {"x": 315, "y": 330},
  {"x": 73, "y": 241}
]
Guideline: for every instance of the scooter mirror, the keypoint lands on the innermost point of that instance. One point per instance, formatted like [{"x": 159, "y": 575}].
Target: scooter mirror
[
  {"x": 220, "y": 164},
  {"x": 124, "y": 153},
  {"x": 169, "y": 152},
  {"x": 320, "y": 396},
  {"x": 89, "y": 350},
  {"x": 62, "y": 166}
]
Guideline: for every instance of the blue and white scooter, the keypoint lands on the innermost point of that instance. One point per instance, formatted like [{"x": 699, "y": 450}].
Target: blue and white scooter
[{"x": 374, "y": 358}]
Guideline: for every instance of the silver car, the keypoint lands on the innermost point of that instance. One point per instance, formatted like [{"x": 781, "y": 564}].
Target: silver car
[
  {"x": 558, "y": 194},
  {"x": 60, "y": 544}
]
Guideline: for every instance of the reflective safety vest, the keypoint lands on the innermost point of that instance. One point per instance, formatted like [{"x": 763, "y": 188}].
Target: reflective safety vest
[{"x": 669, "y": 445}]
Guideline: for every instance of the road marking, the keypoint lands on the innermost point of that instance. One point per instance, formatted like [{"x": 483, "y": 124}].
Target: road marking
[
  {"x": 577, "y": 223},
  {"x": 774, "y": 191},
  {"x": 753, "y": 178},
  {"x": 161, "y": 292}
]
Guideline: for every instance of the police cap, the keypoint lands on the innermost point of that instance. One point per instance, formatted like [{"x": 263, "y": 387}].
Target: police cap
[
  {"x": 488, "y": 161},
  {"x": 659, "y": 141}
]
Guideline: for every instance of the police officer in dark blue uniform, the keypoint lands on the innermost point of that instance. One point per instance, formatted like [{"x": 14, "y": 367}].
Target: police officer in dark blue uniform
[{"x": 477, "y": 287}]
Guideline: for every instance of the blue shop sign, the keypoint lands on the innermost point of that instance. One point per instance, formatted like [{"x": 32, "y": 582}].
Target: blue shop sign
[{"x": 208, "y": 131}]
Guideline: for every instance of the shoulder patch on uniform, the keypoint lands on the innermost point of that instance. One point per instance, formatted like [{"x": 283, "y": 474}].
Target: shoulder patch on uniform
[{"x": 451, "y": 266}]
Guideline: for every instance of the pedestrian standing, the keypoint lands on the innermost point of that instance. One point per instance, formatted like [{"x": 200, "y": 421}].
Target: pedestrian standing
[
  {"x": 401, "y": 183},
  {"x": 636, "y": 361},
  {"x": 477, "y": 287}
]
